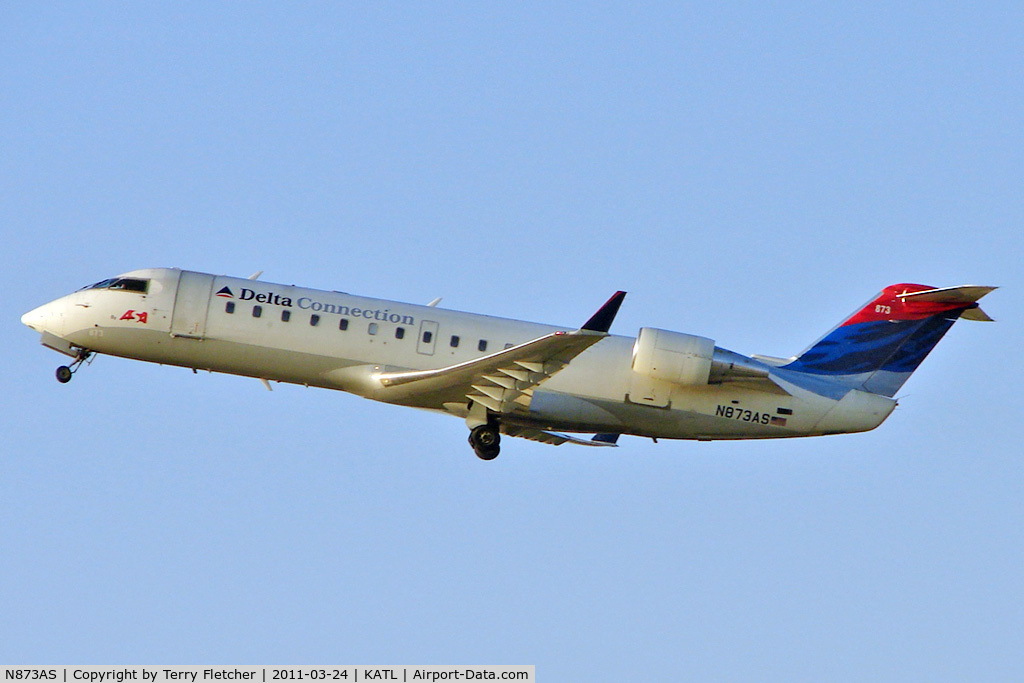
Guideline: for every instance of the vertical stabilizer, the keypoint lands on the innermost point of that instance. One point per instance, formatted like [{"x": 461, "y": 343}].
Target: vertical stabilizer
[{"x": 879, "y": 346}]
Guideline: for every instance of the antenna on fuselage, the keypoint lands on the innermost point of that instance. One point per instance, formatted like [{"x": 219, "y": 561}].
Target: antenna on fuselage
[
  {"x": 256, "y": 275},
  {"x": 435, "y": 302}
]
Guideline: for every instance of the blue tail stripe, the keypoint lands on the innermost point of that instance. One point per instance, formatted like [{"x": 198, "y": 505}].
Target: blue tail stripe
[
  {"x": 919, "y": 345},
  {"x": 856, "y": 348},
  {"x": 892, "y": 345}
]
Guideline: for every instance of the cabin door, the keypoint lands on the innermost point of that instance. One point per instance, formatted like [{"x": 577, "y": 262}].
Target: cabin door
[{"x": 191, "y": 304}]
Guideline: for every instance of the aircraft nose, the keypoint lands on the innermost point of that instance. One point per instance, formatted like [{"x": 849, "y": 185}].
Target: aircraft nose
[{"x": 37, "y": 318}]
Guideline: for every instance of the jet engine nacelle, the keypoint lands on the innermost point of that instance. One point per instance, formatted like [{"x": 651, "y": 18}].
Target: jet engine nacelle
[
  {"x": 673, "y": 357},
  {"x": 690, "y": 360}
]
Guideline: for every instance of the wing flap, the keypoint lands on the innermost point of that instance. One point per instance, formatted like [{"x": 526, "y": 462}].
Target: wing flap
[{"x": 553, "y": 438}]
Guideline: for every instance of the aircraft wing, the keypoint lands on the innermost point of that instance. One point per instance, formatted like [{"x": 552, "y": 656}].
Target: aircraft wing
[{"x": 504, "y": 381}]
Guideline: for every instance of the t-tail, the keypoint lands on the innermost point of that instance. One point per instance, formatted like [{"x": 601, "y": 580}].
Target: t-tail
[{"x": 878, "y": 347}]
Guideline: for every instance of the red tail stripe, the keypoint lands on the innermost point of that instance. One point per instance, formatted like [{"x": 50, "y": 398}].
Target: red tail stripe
[{"x": 889, "y": 306}]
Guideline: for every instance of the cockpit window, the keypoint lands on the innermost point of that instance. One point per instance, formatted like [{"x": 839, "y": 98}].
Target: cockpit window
[
  {"x": 130, "y": 284},
  {"x": 102, "y": 284},
  {"x": 126, "y": 284}
]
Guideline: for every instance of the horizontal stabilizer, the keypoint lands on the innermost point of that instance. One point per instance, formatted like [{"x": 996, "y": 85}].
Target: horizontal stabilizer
[
  {"x": 964, "y": 294},
  {"x": 977, "y": 314}
]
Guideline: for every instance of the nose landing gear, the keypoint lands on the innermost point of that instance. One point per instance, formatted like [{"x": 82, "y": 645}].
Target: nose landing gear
[{"x": 65, "y": 372}]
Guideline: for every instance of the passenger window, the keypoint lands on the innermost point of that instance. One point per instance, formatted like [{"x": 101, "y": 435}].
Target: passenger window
[
  {"x": 286, "y": 315},
  {"x": 482, "y": 346},
  {"x": 343, "y": 325},
  {"x": 314, "y": 320},
  {"x": 428, "y": 337},
  {"x": 257, "y": 311},
  {"x": 373, "y": 328},
  {"x": 229, "y": 307},
  {"x": 399, "y": 333},
  {"x": 455, "y": 341}
]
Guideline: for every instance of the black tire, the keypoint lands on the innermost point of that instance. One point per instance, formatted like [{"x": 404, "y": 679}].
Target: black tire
[
  {"x": 487, "y": 453},
  {"x": 64, "y": 374},
  {"x": 485, "y": 437},
  {"x": 485, "y": 440}
]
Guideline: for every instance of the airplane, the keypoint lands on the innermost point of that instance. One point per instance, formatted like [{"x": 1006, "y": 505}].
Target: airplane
[{"x": 541, "y": 382}]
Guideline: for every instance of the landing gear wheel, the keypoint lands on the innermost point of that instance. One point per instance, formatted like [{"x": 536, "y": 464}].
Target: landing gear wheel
[
  {"x": 485, "y": 440},
  {"x": 65, "y": 372},
  {"x": 487, "y": 454}
]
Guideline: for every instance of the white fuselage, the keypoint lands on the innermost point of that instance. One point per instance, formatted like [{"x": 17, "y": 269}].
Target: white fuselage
[{"x": 340, "y": 341}]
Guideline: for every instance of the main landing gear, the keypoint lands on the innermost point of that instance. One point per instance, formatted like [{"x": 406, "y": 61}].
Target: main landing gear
[
  {"x": 65, "y": 372},
  {"x": 485, "y": 440}
]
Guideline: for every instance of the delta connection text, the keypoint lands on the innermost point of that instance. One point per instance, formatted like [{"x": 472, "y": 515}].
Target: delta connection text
[{"x": 309, "y": 304}]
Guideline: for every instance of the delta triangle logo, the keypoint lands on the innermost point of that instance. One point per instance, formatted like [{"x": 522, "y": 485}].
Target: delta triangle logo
[{"x": 226, "y": 293}]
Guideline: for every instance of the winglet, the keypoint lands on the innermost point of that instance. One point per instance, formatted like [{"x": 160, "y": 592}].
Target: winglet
[{"x": 602, "y": 320}]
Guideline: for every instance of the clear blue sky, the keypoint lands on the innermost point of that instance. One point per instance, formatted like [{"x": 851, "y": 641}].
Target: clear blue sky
[{"x": 750, "y": 173}]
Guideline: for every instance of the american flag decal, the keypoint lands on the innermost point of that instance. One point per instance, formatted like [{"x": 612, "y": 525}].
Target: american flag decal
[{"x": 778, "y": 421}]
